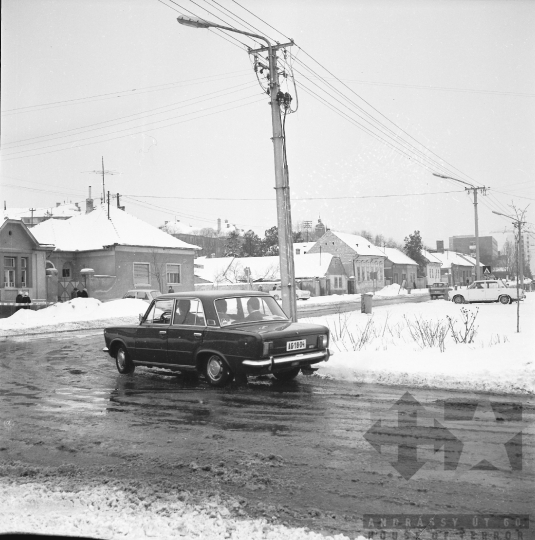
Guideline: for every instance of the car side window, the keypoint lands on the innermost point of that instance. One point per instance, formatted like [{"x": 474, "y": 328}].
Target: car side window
[
  {"x": 160, "y": 312},
  {"x": 142, "y": 296},
  {"x": 129, "y": 295},
  {"x": 493, "y": 285},
  {"x": 189, "y": 312}
]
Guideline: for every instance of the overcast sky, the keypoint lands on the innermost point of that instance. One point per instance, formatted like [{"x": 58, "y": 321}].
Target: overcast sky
[{"x": 179, "y": 115}]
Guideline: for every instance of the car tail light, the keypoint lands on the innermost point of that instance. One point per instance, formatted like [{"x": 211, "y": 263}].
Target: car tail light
[
  {"x": 323, "y": 341},
  {"x": 268, "y": 346}
]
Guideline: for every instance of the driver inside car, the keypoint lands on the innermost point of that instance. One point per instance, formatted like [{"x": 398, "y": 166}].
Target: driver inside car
[
  {"x": 183, "y": 315},
  {"x": 253, "y": 307}
]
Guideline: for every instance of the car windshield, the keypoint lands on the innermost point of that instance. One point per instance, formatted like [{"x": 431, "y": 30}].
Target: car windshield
[{"x": 243, "y": 309}]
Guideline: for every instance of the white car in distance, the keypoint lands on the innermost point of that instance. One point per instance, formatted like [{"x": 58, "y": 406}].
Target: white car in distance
[
  {"x": 300, "y": 294},
  {"x": 487, "y": 290}
]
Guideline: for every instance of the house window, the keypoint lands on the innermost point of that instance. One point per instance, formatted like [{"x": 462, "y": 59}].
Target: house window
[
  {"x": 173, "y": 274},
  {"x": 141, "y": 274},
  {"x": 66, "y": 271},
  {"x": 9, "y": 271},
  {"x": 297, "y": 251},
  {"x": 24, "y": 272}
]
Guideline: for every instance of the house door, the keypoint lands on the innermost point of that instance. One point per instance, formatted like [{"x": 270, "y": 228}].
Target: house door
[
  {"x": 350, "y": 287},
  {"x": 396, "y": 279},
  {"x": 66, "y": 287}
]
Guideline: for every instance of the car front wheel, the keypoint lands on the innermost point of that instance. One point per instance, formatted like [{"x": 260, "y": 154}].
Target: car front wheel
[
  {"x": 287, "y": 375},
  {"x": 216, "y": 371},
  {"x": 123, "y": 362},
  {"x": 504, "y": 299},
  {"x": 458, "y": 299}
]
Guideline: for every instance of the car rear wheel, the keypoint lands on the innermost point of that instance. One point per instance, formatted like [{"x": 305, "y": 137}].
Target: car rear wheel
[
  {"x": 287, "y": 375},
  {"x": 504, "y": 299},
  {"x": 123, "y": 362},
  {"x": 216, "y": 371},
  {"x": 458, "y": 299}
]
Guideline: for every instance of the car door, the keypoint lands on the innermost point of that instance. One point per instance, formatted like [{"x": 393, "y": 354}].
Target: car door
[
  {"x": 151, "y": 334},
  {"x": 493, "y": 291},
  {"x": 476, "y": 292},
  {"x": 186, "y": 333}
]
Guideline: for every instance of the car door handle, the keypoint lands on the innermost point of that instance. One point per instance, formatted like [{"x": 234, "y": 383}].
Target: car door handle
[
  {"x": 197, "y": 334},
  {"x": 162, "y": 332}
]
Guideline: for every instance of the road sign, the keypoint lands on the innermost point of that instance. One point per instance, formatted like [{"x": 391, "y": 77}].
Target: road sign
[{"x": 486, "y": 270}]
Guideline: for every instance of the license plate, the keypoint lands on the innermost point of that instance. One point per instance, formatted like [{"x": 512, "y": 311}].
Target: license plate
[{"x": 296, "y": 345}]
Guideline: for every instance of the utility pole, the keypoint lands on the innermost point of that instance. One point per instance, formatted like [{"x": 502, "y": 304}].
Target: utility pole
[
  {"x": 517, "y": 223},
  {"x": 474, "y": 190},
  {"x": 284, "y": 222}
]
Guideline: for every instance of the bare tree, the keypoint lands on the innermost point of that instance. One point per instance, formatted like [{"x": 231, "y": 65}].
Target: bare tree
[{"x": 157, "y": 268}]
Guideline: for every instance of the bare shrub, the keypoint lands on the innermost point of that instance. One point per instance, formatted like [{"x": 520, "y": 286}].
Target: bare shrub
[
  {"x": 428, "y": 333},
  {"x": 468, "y": 330}
]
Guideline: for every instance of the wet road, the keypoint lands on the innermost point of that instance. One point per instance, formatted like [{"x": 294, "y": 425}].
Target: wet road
[{"x": 310, "y": 446}]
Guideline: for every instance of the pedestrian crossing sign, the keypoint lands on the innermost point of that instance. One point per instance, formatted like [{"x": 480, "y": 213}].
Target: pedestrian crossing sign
[{"x": 486, "y": 270}]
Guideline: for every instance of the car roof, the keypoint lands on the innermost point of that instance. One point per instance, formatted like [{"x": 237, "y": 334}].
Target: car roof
[{"x": 213, "y": 295}]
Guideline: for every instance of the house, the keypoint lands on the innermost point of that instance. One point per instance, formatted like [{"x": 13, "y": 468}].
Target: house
[
  {"x": 22, "y": 263},
  {"x": 321, "y": 274},
  {"x": 456, "y": 268},
  {"x": 301, "y": 248},
  {"x": 432, "y": 267},
  {"x": 109, "y": 251},
  {"x": 400, "y": 268},
  {"x": 363, "y": 262}
]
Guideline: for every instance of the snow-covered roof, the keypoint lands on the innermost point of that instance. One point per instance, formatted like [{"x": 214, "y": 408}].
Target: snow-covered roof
[
  {"x": 431, "y": 257},
  {"x": 451, "y": 257},
  {"x": 303, "y": 247},
  {"x": 398, "y": 257},
  {"x": 232, "y": 269},
  {"x": 359, "y": 244},
  {"x": 94, "y": 231},
  {"x": 61, "y": 211}
]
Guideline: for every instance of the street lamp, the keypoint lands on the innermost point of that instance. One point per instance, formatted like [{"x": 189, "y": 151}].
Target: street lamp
[
  {"x": 474, "y": 190},
  {"x": 282, "y": 188}
]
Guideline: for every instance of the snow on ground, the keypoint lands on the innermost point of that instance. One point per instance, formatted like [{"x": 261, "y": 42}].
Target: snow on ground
[
  {"x": 73, "y": 315},
  {"x": 393, "y": 346}
]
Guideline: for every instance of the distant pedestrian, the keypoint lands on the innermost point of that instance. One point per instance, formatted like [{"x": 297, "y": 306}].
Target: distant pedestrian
[
  {"x": 260, "y": 288},
  {"x": 19, "y": 300},
  {"x": 74, "y": 293},
  {"x": 84, "y": 294},
  {"x": 171, "y": 289},
  {"x": 26, "y": 300},
  {"x": 414, "y": 284}
]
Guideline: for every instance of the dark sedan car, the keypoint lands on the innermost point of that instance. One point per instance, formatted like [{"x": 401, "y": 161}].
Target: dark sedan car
[{"x": 219, "y": 334}]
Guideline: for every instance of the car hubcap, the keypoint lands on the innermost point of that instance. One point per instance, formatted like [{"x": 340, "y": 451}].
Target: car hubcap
[
  {"x": 215, "y": 368},
  {"x": 121, "y": 359}
]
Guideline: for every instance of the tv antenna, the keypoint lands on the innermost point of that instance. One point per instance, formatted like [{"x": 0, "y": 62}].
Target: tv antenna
[{"x": 103, "y": 172}]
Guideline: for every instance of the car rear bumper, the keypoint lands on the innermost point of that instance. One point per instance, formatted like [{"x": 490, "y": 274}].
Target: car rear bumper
[{"x": 280, "y": 363}]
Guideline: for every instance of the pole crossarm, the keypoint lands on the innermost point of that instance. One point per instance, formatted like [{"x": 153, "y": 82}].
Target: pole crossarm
[{"x": 273, "y": 47}]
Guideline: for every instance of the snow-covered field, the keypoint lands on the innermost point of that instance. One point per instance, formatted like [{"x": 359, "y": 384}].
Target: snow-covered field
[
  {"x": 413, "y": 344},
  {"x": 401, "y": 344}
]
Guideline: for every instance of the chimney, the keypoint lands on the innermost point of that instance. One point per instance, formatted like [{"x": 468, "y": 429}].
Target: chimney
[
  {"x": 218, "y": 223},
  {"x": 89, "y": 203}
]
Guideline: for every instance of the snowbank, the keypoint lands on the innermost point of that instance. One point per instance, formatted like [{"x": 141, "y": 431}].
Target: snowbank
[
  {"x": 117, "y": 512},
  {"x": 388, "y": 346},
  {"x": 73, "y": 315}
]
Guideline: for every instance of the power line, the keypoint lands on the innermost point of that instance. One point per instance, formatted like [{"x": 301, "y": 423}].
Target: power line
[
  {"x": 128, "y": 134},
  {"x": 115, "y": 122},
  {"x": 144, "y": 90},
  {"x": 293, "y": 198}
]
